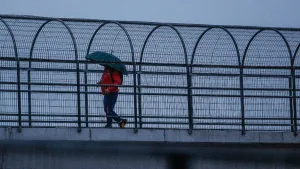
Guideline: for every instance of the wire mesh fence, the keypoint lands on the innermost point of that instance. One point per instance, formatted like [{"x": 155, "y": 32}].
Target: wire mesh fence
[{"x": 181, "y": 76}]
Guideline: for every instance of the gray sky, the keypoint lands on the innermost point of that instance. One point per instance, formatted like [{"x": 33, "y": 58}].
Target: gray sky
[{"x": 279, "y": 13}]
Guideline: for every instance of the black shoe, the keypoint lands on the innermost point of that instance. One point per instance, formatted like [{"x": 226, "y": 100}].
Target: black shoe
[
  {"x": 108, "y": 126},
  {"x": 122, "y": 123}
]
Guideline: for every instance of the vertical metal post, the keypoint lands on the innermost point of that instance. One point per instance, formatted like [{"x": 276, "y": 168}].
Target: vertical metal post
[
  {"x": 242, "y": 99},
  {"x": 294, "y": 102},
  {"x": 86, "y": 97},
  {"x": 190, "y": 99},
  {"x": 78, "y": 97},
  {"x": 29, "y": 94},
  {"x": 19, "y": 97},
  {"x": 140, "y": 99},
  {"x": 134, "y": 97},
  {"x": 291, "y": 100}
]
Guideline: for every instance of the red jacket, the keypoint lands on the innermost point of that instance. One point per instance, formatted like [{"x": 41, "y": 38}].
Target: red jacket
[{"x": 110, "y": 76}]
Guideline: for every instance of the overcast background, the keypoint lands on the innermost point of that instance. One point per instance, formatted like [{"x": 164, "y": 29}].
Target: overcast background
[{"x": 278, "y": 13}]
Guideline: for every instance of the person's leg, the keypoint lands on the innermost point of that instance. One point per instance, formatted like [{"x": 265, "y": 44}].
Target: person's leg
[
  {"x": 114, "y": 99},
  {"x": 116, "y": 117},
  {"x": 122, "y": 122},
  {"x": 108, "y": 110}
]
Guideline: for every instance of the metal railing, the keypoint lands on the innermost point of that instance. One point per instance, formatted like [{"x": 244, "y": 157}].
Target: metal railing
[{"x": 181, "y": 76}]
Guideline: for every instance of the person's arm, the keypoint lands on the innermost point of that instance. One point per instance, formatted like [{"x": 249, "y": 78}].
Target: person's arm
[
  {"x": 117, "y": 81},
  {"x": 100, "y": 81}
]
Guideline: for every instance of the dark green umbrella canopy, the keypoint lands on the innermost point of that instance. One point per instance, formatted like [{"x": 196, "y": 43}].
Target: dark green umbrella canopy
[{"x": 106, "y": 57}]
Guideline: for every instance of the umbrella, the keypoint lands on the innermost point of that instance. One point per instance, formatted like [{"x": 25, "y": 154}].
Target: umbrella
[{"x": 106, "y": 57}]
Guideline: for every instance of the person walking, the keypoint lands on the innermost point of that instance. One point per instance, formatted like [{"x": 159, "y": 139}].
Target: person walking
[{"x": 111, "y": 76}]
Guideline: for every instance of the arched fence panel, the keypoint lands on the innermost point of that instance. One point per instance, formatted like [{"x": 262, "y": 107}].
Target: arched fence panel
[
  {"x": 113, "y": 38},
  {"x": 53, "y": 86},
  {"x": 267, "y": 82},
  {"x": 10, "y": 95},
  {"x": 216, "y": 89},
  {"x": 162, "y": 82}
]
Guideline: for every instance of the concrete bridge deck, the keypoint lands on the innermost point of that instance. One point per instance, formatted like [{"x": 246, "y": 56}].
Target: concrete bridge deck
[
  {"x": 147, "y": 136},
  {"x": 94, "y": 148}
]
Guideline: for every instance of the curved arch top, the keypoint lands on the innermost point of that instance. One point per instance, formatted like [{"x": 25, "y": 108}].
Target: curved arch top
[
  {"x": 12, "y": 37},
  {"x": 260, "y": 31},
  {"x": 218, "y": 27},
  {"x": 119, "y": 25},
  {"x": 178, "y": 34},
  {"x": 68, "y": 29},
  {"x": 295, "y": 54}
]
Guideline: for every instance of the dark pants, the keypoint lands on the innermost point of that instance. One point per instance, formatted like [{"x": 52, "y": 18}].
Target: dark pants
[{"x": 109, "y": 105}]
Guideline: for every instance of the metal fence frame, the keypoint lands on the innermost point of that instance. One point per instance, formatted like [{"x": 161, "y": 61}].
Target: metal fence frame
[{"x": 137, "y": 74}]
